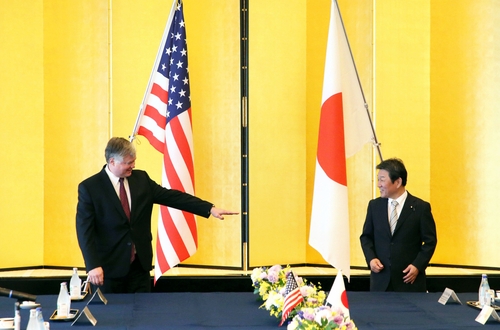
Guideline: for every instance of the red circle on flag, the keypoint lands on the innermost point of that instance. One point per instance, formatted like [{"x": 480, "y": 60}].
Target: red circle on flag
[{"x": 343, "y": 298}]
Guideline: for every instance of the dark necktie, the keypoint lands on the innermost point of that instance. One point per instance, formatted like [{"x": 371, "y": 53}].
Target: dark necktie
[
  {"x": 126, "y": 208},
  {"x": 124, "y": 199}
]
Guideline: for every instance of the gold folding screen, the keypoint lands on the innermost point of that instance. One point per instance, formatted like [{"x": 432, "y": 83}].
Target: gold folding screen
[
  {"x": 74, "y": 73},
  {"x": 21, "y": 131}
]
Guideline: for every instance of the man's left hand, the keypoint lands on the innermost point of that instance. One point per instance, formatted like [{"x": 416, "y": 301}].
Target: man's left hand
[
  {"x": 219, "y": 213},
  {"x": 411, "y": 274}
]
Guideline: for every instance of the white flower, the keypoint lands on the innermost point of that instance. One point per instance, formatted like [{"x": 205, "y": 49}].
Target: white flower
[
  {"x": 274, "y": 299},
  {"x": 323, "y": 314},
  {"x": 292, "y": 325},
  {"x": 256, "y": 274}
]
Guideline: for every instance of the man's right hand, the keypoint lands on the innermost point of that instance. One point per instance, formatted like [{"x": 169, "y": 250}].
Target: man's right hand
[
  {"x": 96, "y": 276},
  {"x": 376, "y": 266}
]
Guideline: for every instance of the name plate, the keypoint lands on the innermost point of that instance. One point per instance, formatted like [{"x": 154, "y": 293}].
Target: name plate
[
  {"x": 447, "y": 294},
  {"x": 485, "y": 314}
]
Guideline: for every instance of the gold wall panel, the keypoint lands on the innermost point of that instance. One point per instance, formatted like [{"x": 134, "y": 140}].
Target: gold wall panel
[
  {"x": 402, "y": 93},
  {"x": 214, "y": 45},
  {"x": 277, "y": 127},
  {"x": 21, "y": 133},
  {"x": 464, "y": 121},
  {"x": 74, "y": 74},
  {"x": 76, "y": 125}
]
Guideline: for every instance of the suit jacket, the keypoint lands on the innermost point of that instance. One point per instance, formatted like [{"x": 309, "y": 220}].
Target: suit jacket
[
  {"x": 105, "y": 234},
  {"x": 413, "y": 242}
]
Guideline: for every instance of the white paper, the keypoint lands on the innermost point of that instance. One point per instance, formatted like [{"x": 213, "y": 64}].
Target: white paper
[
  {"x": 446, "y": 296},
  {"x": 484, "y": 315}
]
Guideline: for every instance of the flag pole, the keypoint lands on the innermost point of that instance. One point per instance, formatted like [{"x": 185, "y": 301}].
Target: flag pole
[
  {"x": 375, "y": 141},
  {"x": 155, "y": 66}
]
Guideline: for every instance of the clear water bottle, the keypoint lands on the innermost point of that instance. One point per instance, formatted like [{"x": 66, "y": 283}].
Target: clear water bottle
[
  {"x": 484, "y": 292},
  {"x": 32, "y": 323},
  {"x": 39, "y": 319},
  {"x": 75, "y": 285},
  {"x": 63, "y": 301}
]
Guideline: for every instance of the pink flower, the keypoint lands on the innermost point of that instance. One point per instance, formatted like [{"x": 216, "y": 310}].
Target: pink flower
[
  {"x": 275, "y": 269},
  {"x": 273, "y": 277},
  {"x": 339, "y": 319},
  {"x": 308, "y": 314}
]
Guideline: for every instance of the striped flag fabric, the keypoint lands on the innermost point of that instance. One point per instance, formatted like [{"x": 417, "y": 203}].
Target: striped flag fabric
[
  {"x": 343, "y": 130},
  {"x": 166, "y": 123},
  {"x": 293, "y": 297}
]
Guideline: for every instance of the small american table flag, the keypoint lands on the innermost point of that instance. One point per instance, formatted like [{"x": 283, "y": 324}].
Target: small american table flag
[{"x": 293, "y": 297}]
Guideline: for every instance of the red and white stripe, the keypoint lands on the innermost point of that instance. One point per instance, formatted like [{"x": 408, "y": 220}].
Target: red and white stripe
[
  {"x": 177, "y": 232},
  {"x": 293, "y": 297}
]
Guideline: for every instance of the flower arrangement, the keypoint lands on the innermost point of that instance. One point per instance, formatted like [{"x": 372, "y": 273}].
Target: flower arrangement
[
  {"x": 265, "y": 280},
  {"x": 313, "y": 296},
  {"x": 311, "y": 314},
  {"x": 323, "y": 317}
]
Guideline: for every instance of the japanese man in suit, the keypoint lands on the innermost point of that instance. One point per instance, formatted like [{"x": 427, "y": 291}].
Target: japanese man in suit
[{"x": 399, "y": 234}]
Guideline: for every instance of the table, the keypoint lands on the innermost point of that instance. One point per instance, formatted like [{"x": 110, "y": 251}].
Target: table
[{"x": 240, "y": 310}]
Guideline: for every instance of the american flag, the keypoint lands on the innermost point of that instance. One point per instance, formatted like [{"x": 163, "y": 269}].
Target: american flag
[
  {"x": 293, "y": 297},
  {"x": 166, "y": 123}
]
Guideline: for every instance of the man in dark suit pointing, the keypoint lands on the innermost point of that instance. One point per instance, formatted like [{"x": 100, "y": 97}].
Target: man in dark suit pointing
[
  {"x": 399, "y": 234},
  {"x": 115, "y": 239}
]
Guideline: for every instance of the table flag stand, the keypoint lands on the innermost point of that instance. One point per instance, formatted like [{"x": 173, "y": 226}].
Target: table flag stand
[
  {"x": 100, "y": 298},
  {"x": 85, "y": 316}
]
